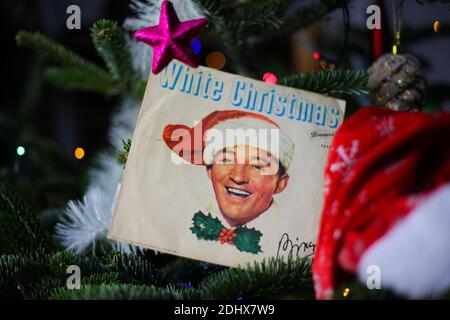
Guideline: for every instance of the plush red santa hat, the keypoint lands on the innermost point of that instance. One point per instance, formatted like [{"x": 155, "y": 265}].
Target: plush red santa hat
[
  {"x": 387, "y": 204},
  {"x": 199, "y": 144}
]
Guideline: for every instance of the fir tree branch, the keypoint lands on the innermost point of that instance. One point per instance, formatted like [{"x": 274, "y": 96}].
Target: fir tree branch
[
  {"x": 101, "y": 278},
  {"x": 59, "y": 54},
  {"x": 218, "y": 23},
  {"x": 78, "y": 79},
  {"x": 9, "y": 266},
  {"x": 251, "y": 19},
  {"x": 20, "y": 229},
  {"x": 80, "y": 74},
  {"x": 259, "y": 280},
  {"x": 109, "y": 40},
  {"x": 133, "y": 268},
  {"x": 122, "y": 156},
  {"x": 116, "y": 292},
  {"x": 89, "y": 265},
  {"x": 137, "y": 88},
  {"x": 18, "y": 271},
  {"x": 43, "y": 289},
  {"x": 305, "y": 16},
  {"x": 235, "y": 23},
  {"x": 242, "y": 19},
  {"x": 335, "y": 83},
  {"x": 188, "y": 273},
  {"x": 241, "y": 3}
]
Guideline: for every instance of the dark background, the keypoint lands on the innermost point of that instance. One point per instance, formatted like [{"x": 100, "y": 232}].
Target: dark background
[{"x": 70, "y": 118}]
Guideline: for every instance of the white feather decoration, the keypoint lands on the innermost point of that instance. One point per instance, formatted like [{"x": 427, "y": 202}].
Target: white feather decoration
[{"x": 86, "y": 222}]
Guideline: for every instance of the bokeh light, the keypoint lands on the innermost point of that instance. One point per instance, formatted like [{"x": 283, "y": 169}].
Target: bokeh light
[
  {"x": 436, "y": 26},
  {"x": 79, "y": 153},
  {"x": 215, "y": 60},
  {"x": 316, "y": 55},
  {"x": 269, "y": 77},
  {"x": 20, "y": 151},
  {"x": 196, "y": 45},
  {"x": 346, "y": 292}
]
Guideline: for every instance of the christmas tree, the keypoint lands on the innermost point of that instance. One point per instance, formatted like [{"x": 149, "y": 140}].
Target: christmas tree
[{"x": 45, "y": 231}]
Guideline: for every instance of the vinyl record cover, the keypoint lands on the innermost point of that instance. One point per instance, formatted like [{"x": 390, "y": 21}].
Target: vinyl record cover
[{"x": 224, "y": 168}]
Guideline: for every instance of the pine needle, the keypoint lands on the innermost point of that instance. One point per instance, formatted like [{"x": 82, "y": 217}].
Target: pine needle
[{"x": 335, "y": 83}]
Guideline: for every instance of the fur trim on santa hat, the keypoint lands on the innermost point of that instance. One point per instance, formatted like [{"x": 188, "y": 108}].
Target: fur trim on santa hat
[
  {"x": 414, "y": 256},
  {"x": 252, "y": 132},
  {"x": 199, "y": 144}
]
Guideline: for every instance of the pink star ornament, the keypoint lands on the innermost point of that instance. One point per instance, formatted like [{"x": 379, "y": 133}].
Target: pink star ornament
[{"x": 171, "y": 38}]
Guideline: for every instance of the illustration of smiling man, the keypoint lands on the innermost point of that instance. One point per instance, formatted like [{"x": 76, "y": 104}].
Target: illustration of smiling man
[{"x": 245, "y": 173}]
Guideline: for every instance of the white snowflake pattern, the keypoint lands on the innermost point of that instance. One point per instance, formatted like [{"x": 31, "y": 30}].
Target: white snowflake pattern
[
  {"x": 386, "y": 127},
  {"x": 348, "y": 159}
]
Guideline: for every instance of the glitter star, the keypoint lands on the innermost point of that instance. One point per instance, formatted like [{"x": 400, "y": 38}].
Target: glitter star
[{"x": 171, "y": 38}]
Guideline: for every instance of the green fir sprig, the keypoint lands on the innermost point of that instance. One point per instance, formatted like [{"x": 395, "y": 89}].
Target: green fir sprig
[{"x": 335, "y": 83}]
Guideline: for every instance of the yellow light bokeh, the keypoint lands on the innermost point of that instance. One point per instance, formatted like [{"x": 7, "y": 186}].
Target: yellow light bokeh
[
  {"x": 394, "y": 49},
  {"x": 346, "y": 292},
  {"x": 79, "y": 153},
  {"x": 436, "y": 26}
]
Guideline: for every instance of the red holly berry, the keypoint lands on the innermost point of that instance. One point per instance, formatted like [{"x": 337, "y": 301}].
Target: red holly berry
[{"x": 226, "y": 236}]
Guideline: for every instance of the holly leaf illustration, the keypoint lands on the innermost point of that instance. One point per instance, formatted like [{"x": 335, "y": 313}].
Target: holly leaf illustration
[
  {"x": 205, "y": 226},
  {"x": 247, "y": 240}
]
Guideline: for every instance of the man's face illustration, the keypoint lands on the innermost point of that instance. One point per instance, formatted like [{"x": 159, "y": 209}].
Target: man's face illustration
[{"x": 242, "y": 186}]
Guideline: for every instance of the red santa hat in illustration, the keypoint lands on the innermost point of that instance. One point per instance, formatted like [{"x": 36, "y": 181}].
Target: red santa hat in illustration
[
  {"x": 199, "y": 144},
  {"x": 387, "y": 204}
]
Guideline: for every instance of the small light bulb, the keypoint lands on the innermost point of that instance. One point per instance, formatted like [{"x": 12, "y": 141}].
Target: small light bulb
[
  {"x": 20, "y": 151},
  {"x": 270, "y": 78},
  {"x": 436, "y": 26},
  {"x": 346, "y": 292},
  {"x": 394, "y": 49},
  {"x": 79, "y": 153},
  {"x": 196, "y": 46}
]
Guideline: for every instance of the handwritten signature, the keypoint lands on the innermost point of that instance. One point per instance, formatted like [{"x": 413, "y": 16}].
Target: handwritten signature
[{"x": 297, "y": 248}]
